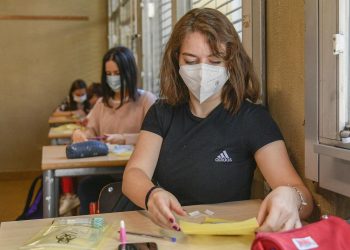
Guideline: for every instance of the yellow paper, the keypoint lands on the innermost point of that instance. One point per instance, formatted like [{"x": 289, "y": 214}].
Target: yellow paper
[
  {"x": 216, "y": 220},
  {"x": 121, "y": 150},
  {"x": 123, "y": 154},
  {"x": 246, "y": 227},
  {"x": 66, "y": 127}
]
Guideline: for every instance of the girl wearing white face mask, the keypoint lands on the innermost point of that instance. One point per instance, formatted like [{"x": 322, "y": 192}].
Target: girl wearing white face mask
[
  {"x": 202, "y": 142},
  {"x": 118, "y": 115},
  {"x": 76, "y": 103}
]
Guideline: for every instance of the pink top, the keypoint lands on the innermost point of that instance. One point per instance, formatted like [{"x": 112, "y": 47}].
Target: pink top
[{"x": 125, "y": 120}]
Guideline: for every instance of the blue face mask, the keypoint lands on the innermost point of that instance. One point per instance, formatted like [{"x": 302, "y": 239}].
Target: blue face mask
[{"x": 114, "y": 82}]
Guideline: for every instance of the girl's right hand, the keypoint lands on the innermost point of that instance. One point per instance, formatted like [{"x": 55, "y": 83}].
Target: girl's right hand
[
  {"x": 161, "y": 205},
  {"x": 78, "y": 136},
  {"x": 83, "y": 122}
]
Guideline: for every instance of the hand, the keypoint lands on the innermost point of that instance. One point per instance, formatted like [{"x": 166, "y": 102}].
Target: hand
[
  {"x": 115, "y": 138},
  {"x": 161, "y": 204},
  {"x": 78, "y": 136},
  {"x": 279, "y": 210},
  {"x": 83, "y": 122},
  {"x": 78, "y": 113}
]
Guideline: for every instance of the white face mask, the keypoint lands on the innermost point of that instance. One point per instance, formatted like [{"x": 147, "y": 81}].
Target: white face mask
[
  {"x": 114, "y": 82},
  {"x": 203, "y": 80},
  {"x": 79, "y": 99}
]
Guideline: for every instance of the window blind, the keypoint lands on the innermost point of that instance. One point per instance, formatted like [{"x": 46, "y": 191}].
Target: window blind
[{"x": 231, "y": 8}]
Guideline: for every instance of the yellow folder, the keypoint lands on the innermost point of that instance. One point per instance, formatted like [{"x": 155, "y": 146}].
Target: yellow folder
[{"x": 215, "y": 226}]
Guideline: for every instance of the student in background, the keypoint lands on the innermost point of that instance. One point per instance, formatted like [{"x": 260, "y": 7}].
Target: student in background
[
  {"x": 94, "y": 92},
  {"x": 202, "y": 142},
  {"x": 117, "y": 115},
  {"x": 76, "y": 103}
]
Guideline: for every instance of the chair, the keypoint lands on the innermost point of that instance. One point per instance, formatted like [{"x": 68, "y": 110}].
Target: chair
[{"x": 112, "y": 199}]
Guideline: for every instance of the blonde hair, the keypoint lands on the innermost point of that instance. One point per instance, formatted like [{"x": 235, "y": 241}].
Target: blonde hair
[{"x": 242, "y": 84}]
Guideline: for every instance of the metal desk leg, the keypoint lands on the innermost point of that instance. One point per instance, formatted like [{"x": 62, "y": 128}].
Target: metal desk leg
[
  {"x": 50, "y": 194},
  {"x": 54, "y": 141}
]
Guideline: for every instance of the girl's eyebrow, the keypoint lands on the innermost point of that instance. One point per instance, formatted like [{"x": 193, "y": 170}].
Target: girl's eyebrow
[
  {"x": 188, "y": 54},
  {"x": 192, "y": 55}
]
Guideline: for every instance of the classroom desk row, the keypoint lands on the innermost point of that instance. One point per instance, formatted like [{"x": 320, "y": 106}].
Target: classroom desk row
[
  {"x": 15, "y": 234},
  {"x": 59, "y": 120},
  {"x": 61, "y": 129},
  {"x": 55, "y": 165}
]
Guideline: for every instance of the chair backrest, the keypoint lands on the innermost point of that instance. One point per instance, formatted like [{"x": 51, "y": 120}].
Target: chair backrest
[
  {"x": 109, "y": 196},
  {"x": 112, "y": 199}
]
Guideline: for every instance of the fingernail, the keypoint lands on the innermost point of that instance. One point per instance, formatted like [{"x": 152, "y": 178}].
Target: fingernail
[
  {"x": 171, "y": 220},
  {"x": 175, "y": 227}
]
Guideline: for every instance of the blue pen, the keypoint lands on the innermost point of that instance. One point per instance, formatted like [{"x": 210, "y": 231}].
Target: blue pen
[{"x": 172, "y": 239}]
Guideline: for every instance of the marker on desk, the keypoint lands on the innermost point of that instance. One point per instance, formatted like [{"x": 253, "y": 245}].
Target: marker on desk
[
  {"x": 172, "y": 239},
  {"x": 122, "y": 232}
]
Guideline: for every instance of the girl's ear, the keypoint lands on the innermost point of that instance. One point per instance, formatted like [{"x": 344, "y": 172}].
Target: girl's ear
[{"x": 177, "y": 54}]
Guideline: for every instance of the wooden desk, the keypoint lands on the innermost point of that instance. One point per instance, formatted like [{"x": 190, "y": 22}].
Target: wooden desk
[
  {"x": 59, "y": 134},
  {"x": 60, "y": 137},
  {"x": 58, "y": 120},
  {"x": 15, "y": 234},
  {"x": 55, "y": 164}
]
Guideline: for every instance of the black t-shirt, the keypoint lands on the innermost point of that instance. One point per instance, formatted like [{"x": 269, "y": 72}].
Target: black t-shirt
[{"x": 209, "y": 160}]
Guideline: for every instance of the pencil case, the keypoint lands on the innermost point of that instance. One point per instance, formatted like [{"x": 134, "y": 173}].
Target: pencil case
[
  {"x": 86, "y": 149},
  {"x": 329, "y": 233}
]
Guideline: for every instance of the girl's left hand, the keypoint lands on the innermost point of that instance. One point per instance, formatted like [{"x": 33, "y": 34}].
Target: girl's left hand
[
  {"x": 83, "y": 122},
  {"x": 78, "y": 113},
  {"x": 279, "y": 210},
  {"x": 115, "y": 138}
]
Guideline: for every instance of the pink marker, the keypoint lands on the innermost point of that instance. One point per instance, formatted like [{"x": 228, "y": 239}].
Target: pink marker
[{"x": 122, "y": 232}]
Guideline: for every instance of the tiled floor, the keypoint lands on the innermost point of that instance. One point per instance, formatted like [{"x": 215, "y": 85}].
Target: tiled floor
[{"x": 14, "y": 189}]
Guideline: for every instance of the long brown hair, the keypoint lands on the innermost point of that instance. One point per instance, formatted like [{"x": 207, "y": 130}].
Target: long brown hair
[
  {"x": 125, "y": 60},
  {"x": 242, "y": 84}
]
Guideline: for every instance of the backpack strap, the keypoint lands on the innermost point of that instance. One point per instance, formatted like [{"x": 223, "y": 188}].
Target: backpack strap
[{"x": 30, "y": 196}]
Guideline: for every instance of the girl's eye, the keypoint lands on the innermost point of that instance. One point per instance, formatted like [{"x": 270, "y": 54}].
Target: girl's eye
[
  {"x": 190, "y": 62},
  {"x": 215, "y": 62},
  {"x": 112, "y": 73}
]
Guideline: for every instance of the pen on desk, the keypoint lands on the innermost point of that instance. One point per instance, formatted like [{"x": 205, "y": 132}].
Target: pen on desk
[
  {"x": 103, "y": 137},
  {"x": 172, "y": 239}
]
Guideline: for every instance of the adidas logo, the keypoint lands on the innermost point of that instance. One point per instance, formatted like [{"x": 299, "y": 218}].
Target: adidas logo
[{"x": 223, "y": 157}]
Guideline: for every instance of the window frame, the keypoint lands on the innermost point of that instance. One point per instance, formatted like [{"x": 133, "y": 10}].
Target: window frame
[
  {"x": 253, "y": 28},
  {"x": 326, "y": 157}
]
